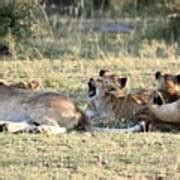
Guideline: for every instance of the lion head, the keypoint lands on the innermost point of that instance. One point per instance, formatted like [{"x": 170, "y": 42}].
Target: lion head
[
  {"x": 106, "y": 92},
  {"x": 168, "y": 87},
  {"x": 106, "y": 83},
  {"x": 165, "y": 108}
]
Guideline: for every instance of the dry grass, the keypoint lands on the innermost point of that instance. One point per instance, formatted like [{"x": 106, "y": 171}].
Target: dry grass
[
  {"x": 71, "y": 75},
  {"x": 82, "y": 156}
]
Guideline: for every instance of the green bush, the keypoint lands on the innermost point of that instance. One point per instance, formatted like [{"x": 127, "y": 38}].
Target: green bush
[{"x": 16, "y": 19}]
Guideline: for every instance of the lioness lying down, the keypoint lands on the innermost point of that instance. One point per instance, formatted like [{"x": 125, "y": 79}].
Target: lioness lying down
[{"x": 37, "y": 111}]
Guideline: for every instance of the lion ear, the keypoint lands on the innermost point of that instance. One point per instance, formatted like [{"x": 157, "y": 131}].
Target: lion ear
[
  {"x": 157, "y": 75},
  {"x": 102, "y": 72},
  {"x": 178, "y": 78},
  {"x": 122, "y": 82}
]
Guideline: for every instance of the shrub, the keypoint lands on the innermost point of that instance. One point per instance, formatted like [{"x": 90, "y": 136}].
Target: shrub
[{"x": 16, "y": 20}]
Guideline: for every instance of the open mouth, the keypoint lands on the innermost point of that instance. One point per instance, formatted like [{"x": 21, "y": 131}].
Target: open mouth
[
  {"x": 158, "y": 98},
  {"x": 91, "y": 88}
]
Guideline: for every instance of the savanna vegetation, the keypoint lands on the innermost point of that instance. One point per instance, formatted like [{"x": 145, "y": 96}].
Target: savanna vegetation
[{"x": 63, "y": 43}]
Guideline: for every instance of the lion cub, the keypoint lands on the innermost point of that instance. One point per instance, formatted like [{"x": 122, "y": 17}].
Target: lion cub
[
  {"x": 109, "y": 100},
  {"x": 165, "y": 112},
  {"x": 168, "y": 86}
]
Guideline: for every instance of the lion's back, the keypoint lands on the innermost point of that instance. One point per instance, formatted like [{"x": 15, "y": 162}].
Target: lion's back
[{"x": 40, "y": 107}]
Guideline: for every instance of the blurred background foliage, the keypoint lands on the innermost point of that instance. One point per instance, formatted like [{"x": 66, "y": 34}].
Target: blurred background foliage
[{"x": 90, "y": 29}]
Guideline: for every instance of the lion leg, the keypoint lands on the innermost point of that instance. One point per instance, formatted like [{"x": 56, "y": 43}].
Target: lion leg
[
  {"x": 48, "y": 129},
  {"x": 137, "y": 128},
  {"x": 16, "y": 127}
]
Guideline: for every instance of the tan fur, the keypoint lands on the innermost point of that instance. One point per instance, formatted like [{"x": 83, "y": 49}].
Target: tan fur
[
  {"x": 123, "y": 108},
  {"x": 169, "y": 86},
  {"x": 32, "y": 85},
  {"x": 113, "y": 102},
  {"x": 164, "y": 117},
  {"x": 168, "y": 112},
  {"x": 37, "y": 110}
]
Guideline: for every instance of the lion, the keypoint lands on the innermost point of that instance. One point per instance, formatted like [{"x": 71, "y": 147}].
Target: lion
[
  {"x": 110, "y": 101},
  {"x": 165, "y": 111},
  {"x": 32, "y": 85},
  {"x": 165, "y": 117},
  {"x": 38, "y": 111},
  {"x": 100, "y": 91},
  {"x": 168, "y": 86}
]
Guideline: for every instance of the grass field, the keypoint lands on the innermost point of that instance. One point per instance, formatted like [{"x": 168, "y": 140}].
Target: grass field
[{"x": 79, "y": 155}]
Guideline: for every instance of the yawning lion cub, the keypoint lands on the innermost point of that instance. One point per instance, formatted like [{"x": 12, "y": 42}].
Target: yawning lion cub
[{"x": 109, "y": 100}]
